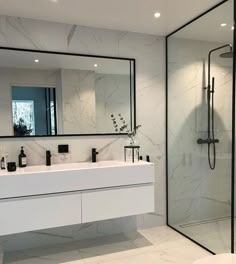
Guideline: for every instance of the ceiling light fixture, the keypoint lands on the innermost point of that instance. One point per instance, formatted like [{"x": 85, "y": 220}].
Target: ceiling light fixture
[
  {"x": 223, "y": 24},
  {"x": 157, "y": 15},
  {"x": 95, "y": 65},
  {"x": 36, "y": 61},
  {"x": 232, "y": 27}
]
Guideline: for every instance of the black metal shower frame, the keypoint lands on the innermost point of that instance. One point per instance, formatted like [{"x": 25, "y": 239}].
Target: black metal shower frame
[{"x": 233, "y": 129}]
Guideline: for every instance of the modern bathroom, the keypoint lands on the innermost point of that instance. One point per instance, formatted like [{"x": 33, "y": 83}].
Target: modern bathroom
[{"x": 117, "y": 132}]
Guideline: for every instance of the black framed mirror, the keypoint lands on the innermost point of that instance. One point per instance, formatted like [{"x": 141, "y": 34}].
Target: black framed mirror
[{"x": 48, "y": 93}]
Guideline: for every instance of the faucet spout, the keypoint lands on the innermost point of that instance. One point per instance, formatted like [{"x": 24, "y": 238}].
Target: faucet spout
[
  {"x": 48, "y": 158},
  {"x": 94, "y": 155}
]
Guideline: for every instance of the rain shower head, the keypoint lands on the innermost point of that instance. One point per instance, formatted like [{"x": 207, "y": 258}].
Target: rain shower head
[{"x": 227, "y": 55}]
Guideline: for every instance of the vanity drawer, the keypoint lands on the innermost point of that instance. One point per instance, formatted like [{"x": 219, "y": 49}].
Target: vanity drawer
[
  {"x": 117, "y": 202},
  {"x": 39, "y": 212}
]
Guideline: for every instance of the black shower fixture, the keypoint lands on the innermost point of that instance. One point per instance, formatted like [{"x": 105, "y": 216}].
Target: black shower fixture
[{"x": 210, "y": 140}]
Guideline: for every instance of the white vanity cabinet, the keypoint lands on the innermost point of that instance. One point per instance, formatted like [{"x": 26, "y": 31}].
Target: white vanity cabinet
[
  {"x": 117, "y": 202},
  {"x": 43, "y": 197},
  {"x": 39, "y": 212}
]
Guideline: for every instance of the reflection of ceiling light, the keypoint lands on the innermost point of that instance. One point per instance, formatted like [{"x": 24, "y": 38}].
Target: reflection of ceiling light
[
  {"x": 223, "y": 25},
  {"x": 157, "y": 14},
  {"x": 54, "y": 1},
  {"x": 36, "y": 61},
  {"x": 95, "y": 65}
]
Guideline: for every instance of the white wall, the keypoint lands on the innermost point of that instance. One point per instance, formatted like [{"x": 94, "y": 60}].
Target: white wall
[
  {"x": 79, "y": 101},
  {"x": 149, "y": 52},
  {"x": 112, "y": 98}
]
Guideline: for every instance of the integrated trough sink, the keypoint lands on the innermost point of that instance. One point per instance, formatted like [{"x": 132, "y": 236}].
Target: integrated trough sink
[{"x": 36, "y": 180}]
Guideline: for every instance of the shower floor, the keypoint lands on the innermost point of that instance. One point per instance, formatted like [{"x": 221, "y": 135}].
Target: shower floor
[{"x": 213, "y": 234}]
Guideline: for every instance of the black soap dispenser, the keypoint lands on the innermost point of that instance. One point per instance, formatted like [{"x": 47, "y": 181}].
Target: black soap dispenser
[{"x": 22, "y": 158}]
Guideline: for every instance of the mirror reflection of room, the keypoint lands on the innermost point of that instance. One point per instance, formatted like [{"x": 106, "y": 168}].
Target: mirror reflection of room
[{"x": 53, "y": 94}]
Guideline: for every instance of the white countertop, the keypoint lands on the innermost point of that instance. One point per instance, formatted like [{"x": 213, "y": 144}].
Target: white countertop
[
  {"x": 37, "y": 180},
  {"x": 71, "y": 166}
]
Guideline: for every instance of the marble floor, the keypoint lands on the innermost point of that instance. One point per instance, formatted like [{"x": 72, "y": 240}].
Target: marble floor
[
  {"x": 213, "y": 234},
  {"x": 159, "y": 245}
]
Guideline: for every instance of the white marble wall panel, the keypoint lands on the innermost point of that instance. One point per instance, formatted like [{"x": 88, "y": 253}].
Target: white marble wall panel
[
  {"x": 149, "y": 52},
  {"x": 112, "y": 97},
  {"x": 79, "y": 101}
]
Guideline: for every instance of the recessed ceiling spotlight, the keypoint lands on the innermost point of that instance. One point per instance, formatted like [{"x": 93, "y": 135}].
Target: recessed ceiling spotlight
[
  {"x": 157, "y": 14},
  {"x": 223, "y": 24},
  {"x": 36, "y": 61},
  {"x": 232, "y": 27},
  {"x": 95, "y": 65}
]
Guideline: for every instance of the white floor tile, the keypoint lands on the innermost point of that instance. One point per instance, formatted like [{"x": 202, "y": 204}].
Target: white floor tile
[{"x": 159, "y": 245}]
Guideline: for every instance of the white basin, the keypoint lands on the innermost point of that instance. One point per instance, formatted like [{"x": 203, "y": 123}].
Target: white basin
[{"x": 70, "y": 167}]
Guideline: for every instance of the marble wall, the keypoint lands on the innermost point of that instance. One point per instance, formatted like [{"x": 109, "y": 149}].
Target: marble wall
[
  {"x": 112, "y": 98},
  {"x": 196, "y": 192},
  {"x": 79, "y": 101},
  {"x": 149, "y": 52}
]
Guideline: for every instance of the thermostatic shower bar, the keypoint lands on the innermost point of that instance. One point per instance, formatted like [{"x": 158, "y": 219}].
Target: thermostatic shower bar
[
  {"x": 211, "y": 140},
  {"x": 207, "y": 141}
]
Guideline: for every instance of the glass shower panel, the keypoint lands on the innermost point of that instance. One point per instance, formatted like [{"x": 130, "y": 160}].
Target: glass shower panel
[{"x": 200, "y": 129}]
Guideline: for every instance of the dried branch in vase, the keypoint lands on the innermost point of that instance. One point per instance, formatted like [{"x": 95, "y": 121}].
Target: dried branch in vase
[{"x": 121, "y": 126}]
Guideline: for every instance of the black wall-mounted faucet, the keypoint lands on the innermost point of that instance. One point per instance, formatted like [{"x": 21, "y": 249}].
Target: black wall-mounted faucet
[
  {"x": 94, "y": 155},
  {"x": 48, "y": 158}
]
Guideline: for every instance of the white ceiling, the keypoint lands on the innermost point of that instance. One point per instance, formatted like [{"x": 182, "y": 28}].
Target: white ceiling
[
  {"x": 126, "y": 15},
  {"x": 207, "y": 28},
  {"x": 25, "y": 60}
]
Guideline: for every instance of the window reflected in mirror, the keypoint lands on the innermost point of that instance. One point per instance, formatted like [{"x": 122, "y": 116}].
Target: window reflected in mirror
[{"x": 33, "y": 111}]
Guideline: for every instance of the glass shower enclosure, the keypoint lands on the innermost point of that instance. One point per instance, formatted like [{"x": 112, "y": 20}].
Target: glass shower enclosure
[{"x": 201, "y": 129}]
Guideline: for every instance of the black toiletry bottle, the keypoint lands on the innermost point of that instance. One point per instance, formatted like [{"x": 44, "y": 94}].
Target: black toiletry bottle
[
  {"x": 3, "y": 163},
  {"x": 22, "y": 158},
  {"x": 48, "y": 158}
]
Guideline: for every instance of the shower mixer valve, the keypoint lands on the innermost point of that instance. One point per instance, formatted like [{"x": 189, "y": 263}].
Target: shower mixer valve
[{"x": 207, "y": 141}]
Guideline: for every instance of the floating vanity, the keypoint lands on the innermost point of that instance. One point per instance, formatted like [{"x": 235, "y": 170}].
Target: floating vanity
[{"x": 41, "y": 197}]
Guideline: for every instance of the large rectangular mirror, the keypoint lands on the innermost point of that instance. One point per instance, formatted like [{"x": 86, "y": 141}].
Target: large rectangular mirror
[{"x": 45, "y": 93}]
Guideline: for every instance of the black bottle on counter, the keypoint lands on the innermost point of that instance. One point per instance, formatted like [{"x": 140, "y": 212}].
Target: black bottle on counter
[
  {"x": 22, "y": 158},
  {"x": 3, "y": 167}
]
